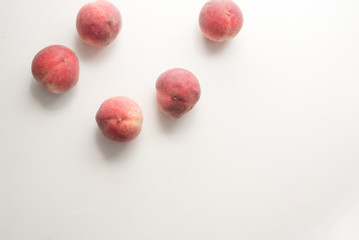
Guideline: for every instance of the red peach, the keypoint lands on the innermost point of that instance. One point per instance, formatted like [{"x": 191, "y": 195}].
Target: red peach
[
  {"x": 178, "y": 90},
  {"x": 119, "y": 119},
  {"x": 98, "y": 23},
  {"x": 220, "y": 20},
  {"x": 56, "y": 68}
]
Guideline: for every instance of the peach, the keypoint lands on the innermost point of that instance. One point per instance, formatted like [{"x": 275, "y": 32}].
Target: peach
[
  {"x": 220, "y": 20},
  {"x": 56, "y": 68},
  {"x": 98, "y": 23},
  {"x": 119, "y": 119},
  {"x": 178, "y": 90}
]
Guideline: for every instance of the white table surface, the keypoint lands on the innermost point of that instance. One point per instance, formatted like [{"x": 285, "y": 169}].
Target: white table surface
[{"x": 269, "y": 152}]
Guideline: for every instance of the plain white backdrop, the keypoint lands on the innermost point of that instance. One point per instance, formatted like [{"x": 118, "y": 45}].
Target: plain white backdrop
[{"x": 269, "y": 152}]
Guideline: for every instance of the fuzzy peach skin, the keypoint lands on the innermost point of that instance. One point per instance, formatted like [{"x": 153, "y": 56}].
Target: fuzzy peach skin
[
  {"x": 178, "y": 90},
  {"x": 98, "y": 23},
  {"x": 220, "y": 20},
  {"x": 119, "y": 119},
  {"x": 56, "y": 68}
]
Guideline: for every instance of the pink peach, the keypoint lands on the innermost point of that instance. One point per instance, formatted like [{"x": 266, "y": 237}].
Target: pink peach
[
  {"x": 178, "y": 90},
  {"x": 56, "y": 68},
  {"x": 98, "y": 23},
  {"x": 119, "y": 119},
  {"x": 220, "y": 20}
]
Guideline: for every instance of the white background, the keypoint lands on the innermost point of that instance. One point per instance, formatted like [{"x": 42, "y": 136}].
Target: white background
[{"x": 269, "y": 152}]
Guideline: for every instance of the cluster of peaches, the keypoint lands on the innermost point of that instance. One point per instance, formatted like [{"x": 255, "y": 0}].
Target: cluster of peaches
[{"x": 98, "y": 23}]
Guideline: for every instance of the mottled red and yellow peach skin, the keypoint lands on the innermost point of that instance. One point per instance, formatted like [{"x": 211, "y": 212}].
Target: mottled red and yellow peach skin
[
  {"x": 56, "y": 68},
  {"x": 119, "y": 119},
  {"x": 220, "y": 20},
  {"x": 98, "y": 23},
  {"x": 178, "y": 90}
]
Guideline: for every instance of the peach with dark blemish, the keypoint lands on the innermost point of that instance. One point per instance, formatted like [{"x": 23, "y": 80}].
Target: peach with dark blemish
[{"x": 178, "y": 91}]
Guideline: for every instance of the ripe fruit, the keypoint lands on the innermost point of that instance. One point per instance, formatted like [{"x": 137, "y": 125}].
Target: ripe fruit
[
  {"x": 98, "y": 23},
  {"x": 178, "y": 90},
  {"x": 56, "y": 68},
  {"x": 119, "y": 119},
  {"x": 220, "y": 20}
]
